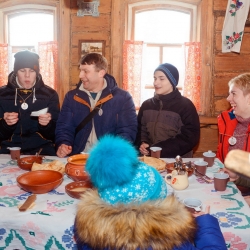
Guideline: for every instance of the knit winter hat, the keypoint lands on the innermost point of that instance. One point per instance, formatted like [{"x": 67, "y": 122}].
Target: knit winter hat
[
  {"x": 26, "y": 59},
  {"x": 119, "y": 176},
  {"x": 171, "y": 73}
]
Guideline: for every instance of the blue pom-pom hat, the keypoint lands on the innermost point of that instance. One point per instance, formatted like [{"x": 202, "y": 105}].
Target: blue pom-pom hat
[{"x": 119, "y": 176}]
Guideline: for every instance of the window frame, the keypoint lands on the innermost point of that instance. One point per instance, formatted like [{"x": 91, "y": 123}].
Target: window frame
[
  {"x": 16, "y": 13},
  {"x": 205, "y": 30},
  {"x": 61, "y": 29},
  {"x": 6, "y": 13},
  {"x": 161, "y": 46},
  {"x": 138, "y": 7},
  {"x": 169, "y": 5}
]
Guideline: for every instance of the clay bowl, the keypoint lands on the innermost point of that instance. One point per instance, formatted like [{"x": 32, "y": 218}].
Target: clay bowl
[
  {"x": 40, "y": 181},
  {"x": 170, "y": 168},
  {"x": 76, "y": 189},
  {"x": 75, "y": 168},
  {"x": 26, "y": 163}
]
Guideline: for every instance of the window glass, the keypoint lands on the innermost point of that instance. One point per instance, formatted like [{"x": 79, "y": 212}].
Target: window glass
[
  {"x": 175, "y": 56},
  {"x": 152, "y": 61},
  {"x": 164, "y": 32},
  {"x": 29, "y": 29},
  {"x": 162, "y": 26}
]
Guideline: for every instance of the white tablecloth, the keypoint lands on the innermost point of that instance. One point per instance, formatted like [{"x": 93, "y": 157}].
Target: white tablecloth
[
  {"x": 229, "y": 207},
  {"x": 49, "y": 225}
]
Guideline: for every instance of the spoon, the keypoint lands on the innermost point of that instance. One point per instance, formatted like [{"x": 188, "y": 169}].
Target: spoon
[
  {"x": 202, "y": 174},
  {"x": 197, "y": 173},
  {"x": 38, "y": 153}
]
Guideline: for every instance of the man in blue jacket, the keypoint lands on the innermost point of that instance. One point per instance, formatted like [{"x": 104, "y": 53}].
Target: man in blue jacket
[{"x": 97, "y": 90}]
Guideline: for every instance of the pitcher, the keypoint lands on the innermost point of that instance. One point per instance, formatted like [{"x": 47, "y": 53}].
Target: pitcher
[{"x": 177, "y": 181}]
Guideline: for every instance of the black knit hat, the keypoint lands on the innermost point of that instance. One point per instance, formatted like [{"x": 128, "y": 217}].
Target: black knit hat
[
  {"x": 171, "y": 73},
  {"x": 26, "y": 59}
]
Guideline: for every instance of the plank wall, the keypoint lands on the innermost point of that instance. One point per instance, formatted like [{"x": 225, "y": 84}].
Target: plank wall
[
  {"x": 218, "y": 68},
  {"x": 222, "y": 66}
]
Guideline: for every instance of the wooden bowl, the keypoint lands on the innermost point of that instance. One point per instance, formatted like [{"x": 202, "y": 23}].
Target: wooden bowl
[
  {"x": 26, "y": 163},
  {"x": 75, "y": 189},
  {"x": 170, "y": 168},
  {"x": 40, "y": 181}
]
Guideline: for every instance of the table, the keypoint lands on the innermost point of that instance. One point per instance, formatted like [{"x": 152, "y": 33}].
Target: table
[
  {"x": 49, "y": 225},
  {"x": 229, "y": 207}
]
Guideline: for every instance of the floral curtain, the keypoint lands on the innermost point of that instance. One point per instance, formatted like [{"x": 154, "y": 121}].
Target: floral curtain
[
  {"x": 3, "y": 64},
  {"x": 234, "y": 23},
  {"x": 192, "y": 83},
  {"x": 48, "y": 53},
  {"x": 132, "y": 66}
]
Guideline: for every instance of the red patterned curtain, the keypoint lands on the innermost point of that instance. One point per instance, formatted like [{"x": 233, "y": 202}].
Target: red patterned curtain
[
  {"x": 48, "y": 53},
  {"x": 192, "y": 83},
  {"x": 3, "y": 64},
  {"x": 132, "y": 65}
]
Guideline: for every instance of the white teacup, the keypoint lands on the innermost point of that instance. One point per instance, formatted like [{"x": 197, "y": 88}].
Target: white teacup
[{"x": 192, "y": 204}]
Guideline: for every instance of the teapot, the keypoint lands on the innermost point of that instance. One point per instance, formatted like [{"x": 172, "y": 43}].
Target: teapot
[{"x": 177, "y": 181}]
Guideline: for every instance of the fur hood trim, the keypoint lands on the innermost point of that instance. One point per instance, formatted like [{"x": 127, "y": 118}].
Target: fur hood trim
[{"x": 161, "y": 224}]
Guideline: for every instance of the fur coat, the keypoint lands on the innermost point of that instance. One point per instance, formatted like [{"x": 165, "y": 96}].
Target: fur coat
[{"x": 159, "y": 225}]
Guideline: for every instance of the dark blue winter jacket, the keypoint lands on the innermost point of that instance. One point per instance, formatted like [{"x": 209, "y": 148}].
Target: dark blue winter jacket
[
  {"x": 27, "y": 133},
  {"x": 118, "y": 116}
]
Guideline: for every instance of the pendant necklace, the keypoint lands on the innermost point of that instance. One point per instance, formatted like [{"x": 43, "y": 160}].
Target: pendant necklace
[
  {"x": 232, "y": 139},
  {"x": 24, "y": 105},
  {"x": 100, "y": 112}
]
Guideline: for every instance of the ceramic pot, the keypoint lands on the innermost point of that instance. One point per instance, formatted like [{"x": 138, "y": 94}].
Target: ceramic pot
[
  {"x": 75, "y": 168},
  {"x": 178, "y": 182}
]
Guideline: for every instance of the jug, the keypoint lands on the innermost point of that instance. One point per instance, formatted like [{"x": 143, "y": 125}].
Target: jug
[{"x": 177, "y": 181}]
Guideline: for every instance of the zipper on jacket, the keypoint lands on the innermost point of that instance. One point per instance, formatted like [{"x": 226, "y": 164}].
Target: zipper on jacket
[{"x": 161, "y": 105}]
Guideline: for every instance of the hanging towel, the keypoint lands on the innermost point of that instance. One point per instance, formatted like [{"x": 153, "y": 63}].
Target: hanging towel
[{"x": 234, "y": 23}]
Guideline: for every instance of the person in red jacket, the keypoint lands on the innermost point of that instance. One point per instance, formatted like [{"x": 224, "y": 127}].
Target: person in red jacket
[{"x": 234, "y": 124}]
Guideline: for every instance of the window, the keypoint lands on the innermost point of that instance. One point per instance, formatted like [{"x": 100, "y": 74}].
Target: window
[
  {"x": 26, "y": 25},
  {"x": 26, "y": 33},
  {"x": 164, "y": 29}
]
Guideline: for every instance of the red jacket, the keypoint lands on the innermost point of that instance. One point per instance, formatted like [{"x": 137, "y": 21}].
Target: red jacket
[{"x": 227, "y": 123}]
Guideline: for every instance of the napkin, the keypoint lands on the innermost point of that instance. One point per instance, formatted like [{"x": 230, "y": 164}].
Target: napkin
[{"x": 39, "y": 112}]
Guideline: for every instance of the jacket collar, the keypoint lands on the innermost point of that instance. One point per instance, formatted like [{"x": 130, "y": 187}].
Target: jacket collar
[
  {"x": 157, "y": 224},
  {"x": 172, "y": 95}
]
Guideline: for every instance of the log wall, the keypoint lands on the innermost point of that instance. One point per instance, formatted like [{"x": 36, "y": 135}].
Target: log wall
[
  {"x": 222, "y": 66},
  {"x": 110, "y": 25}
]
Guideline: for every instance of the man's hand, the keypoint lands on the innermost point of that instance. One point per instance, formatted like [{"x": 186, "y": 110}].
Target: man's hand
[
  {"x": 143, "y": 148},
  {"x": 44, "y": 119},
  {"x": 64, "y": 150},
  {"x": 10, "y": 118}
]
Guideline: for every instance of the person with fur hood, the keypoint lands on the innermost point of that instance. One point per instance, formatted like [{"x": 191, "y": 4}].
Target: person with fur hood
[{"x": 130, "y": 208}]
